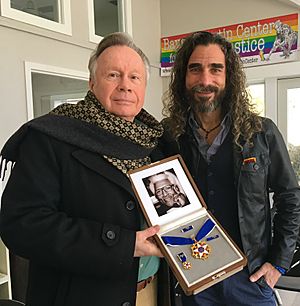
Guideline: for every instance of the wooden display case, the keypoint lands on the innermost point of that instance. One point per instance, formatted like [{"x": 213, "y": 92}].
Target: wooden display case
[{"x": 196, "y": 247}]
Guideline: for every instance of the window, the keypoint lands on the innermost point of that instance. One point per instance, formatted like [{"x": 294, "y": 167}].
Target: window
[
  {"x": 282, "y": 90},
  {"x": 48, "y": 86},
  {"x": 54, "y": 15},
  {"x": 293, "y": 139},
  {"x": 288, "y": 118},
  {"x": 108, "y": 16}
]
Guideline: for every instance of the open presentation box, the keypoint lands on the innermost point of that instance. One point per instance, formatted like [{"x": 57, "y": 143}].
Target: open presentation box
[{"x": 196, "y": 247}]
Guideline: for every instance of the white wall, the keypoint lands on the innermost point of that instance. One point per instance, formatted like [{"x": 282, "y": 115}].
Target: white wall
[
  {"x": 21, "y": 42},
  {"x": 146, "y": 33},
  {"x": 15, "y": 51},
  {"x": 195, "y": 15}
]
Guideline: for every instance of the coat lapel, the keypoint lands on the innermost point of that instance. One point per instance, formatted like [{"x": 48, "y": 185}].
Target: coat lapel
[{"x": 98, "y": 164}]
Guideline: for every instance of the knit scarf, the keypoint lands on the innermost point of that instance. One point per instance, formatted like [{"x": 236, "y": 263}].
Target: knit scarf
[
  {"x": 144, "y": 131},
  {"x": 87, "y": 125}
]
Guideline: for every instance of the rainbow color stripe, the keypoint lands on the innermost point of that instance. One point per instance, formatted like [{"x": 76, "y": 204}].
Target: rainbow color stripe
[{"x": 250, "y": 39}]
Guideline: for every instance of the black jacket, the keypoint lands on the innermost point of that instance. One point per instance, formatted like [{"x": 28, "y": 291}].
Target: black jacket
[
  {"x": 75, "y": 217},
  {"x": 272, "y": 172}
]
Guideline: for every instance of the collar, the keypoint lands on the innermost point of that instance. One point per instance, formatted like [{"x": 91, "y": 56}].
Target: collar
[{"x": 193, "y": 124}]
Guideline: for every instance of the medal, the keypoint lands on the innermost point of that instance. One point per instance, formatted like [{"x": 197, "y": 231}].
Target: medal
[
  {"x": 185, "y": 264},
  {"x": 200, "y": 250}
]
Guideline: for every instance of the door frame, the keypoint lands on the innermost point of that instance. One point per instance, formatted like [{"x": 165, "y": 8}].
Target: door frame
[
  {"x": 31, "y": 67},
  {"x": 282, "y": 86}
]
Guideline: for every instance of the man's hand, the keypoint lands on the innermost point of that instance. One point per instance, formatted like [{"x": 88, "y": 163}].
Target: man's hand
[
  {"x": 180, "y": 199},
  {"x": 145, "y": 244},
  {"x": 270, "y": 274}
]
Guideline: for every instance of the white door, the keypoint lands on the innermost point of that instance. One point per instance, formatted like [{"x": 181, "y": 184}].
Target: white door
[{"x": 289, "y": 118}]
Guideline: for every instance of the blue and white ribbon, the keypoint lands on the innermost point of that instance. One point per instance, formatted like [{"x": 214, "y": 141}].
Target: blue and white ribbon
[{"x": 205, "y": 229}]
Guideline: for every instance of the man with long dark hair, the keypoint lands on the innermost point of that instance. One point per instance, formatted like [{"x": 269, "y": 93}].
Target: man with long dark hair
[{"x": 237, "y": 159}]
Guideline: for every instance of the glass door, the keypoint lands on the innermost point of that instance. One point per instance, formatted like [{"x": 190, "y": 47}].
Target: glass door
[{"x": 289, "y": 118}]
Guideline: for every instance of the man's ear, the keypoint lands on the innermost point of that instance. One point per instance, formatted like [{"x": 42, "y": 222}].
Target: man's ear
[{"x": 91, "y": 84}]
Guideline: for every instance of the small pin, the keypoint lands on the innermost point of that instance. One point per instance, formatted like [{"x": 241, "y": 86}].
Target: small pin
[
  {"x": 185, "y": 264},
  {"x": 250, "y": 160},
  {"x": 186, "y": 229},
  {"x": 212, "y": 238}
]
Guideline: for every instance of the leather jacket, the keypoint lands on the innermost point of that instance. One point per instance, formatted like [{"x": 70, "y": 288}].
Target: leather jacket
[{"x": 261, "y": 172}]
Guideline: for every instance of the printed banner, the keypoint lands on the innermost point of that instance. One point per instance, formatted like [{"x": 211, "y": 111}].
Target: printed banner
[{"x": 258, "y": 42}]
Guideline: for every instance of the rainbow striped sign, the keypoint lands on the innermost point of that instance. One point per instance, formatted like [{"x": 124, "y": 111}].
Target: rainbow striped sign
[{"x": 257, "y": 42}]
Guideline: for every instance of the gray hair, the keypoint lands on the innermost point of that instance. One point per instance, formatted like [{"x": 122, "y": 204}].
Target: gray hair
[{"x": 116, "y": 39}]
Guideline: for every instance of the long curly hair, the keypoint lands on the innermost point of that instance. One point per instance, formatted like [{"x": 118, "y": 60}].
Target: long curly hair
[{"x": 245, "y": 120}]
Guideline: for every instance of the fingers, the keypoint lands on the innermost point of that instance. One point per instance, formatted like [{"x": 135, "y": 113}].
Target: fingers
[
  {"x": 179, "y": 199},
  {"x": 258, "y": 274},
  {"x": 145, "y": 244},
  {"x": 270, "y": 274},
  {"x": 151, "y": 231}
]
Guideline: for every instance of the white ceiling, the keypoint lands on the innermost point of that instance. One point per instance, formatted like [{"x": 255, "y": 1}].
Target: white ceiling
[{"x": 295, "y": 3}]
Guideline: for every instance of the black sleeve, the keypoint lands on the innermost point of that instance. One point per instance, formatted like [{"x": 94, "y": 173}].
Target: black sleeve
[{"x": 33, "y": 226}]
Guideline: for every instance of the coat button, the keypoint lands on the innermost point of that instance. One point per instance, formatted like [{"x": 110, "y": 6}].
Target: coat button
[
  {"x": 126, "y": 304},
  {"x": 130, "y": 205},
  {"x": 211, "y": 192},
  {"x": 111, "y": 235}
]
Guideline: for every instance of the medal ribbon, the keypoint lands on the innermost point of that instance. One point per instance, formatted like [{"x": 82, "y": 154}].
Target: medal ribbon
[{"x": 205, "y": 229}]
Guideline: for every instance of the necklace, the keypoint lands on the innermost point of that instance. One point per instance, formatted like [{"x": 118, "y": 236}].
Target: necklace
[{"x": 209, "y": 131}]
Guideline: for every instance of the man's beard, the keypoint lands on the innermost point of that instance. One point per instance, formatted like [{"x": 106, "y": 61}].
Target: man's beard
[{"x": 203, "y": 104}]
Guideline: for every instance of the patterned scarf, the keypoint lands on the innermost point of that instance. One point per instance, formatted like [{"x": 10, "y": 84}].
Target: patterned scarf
[{"x": 144, "y": 131}]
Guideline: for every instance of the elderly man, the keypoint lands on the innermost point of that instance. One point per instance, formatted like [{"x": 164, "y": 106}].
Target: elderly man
[
  {"x": 167, "y": 190},
  {"x": 237, "y": 159},
  {"x": 68, "y": 206}
]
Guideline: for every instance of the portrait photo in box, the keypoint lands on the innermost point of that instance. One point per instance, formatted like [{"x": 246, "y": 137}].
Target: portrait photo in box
[
  {"x": 166, "y": 192},
  {"x": 196, "y": 247}
]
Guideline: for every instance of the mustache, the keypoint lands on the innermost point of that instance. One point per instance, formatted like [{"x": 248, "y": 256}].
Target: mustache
[{"x": 204, "y": 89}]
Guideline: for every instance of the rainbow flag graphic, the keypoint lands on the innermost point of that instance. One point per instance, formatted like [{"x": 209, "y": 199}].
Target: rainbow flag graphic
[{"x": 257, "y": 42}]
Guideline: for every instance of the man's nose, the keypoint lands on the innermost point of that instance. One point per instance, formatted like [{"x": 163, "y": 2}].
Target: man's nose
[
  {"x": 124, "y": 84},
  {"x": 164, "y": 192},
  {"x": 205, "y": 78}
]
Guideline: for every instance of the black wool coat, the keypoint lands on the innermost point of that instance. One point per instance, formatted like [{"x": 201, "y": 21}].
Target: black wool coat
[{"x": 75, "y": 217}]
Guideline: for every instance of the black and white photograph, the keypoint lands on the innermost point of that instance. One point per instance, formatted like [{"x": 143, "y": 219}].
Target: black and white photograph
[{"x": 166, "y": 192}]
